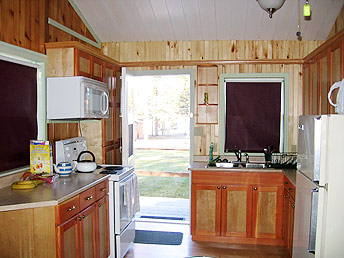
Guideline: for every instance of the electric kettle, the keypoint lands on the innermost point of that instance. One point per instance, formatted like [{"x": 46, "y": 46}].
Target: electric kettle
[
  {"x": 86, "y": 166},
  {"x": 339, "y": 106}
]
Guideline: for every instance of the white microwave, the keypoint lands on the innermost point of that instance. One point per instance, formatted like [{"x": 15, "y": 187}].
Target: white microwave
[{"x": 76, "y": 97}]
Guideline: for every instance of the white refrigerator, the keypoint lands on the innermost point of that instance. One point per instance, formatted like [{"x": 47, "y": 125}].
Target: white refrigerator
[{"x": 319, "y": 212}]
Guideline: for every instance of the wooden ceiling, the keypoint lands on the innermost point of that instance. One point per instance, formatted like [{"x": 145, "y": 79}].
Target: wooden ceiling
[{"x": 185, "y": 20}]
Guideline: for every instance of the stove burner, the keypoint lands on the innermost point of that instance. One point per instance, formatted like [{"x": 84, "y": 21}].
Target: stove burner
[
  {"x": 113, "y": 168},
  {"x": 113, "y": 172}
]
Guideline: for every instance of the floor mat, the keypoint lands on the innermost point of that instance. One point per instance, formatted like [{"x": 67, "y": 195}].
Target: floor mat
[
  {"x": 158, "y": 237},
  {"x": 161, "y": 217}
]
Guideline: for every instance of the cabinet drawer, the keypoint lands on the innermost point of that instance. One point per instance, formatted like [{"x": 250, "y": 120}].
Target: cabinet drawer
[
  {"x": 87, "y": 198},
  {"x": 102, "y": 189},
  {"x": 67, "y": 209},
  {"x": 289, "y": 187}
]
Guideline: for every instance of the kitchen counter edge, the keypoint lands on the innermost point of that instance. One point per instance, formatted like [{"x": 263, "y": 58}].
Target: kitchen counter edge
[
  {"x": 48, "y": 194},
  {"x": 201, "y": 166}
]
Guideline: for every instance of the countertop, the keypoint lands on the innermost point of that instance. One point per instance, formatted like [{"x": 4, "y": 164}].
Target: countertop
[
  {"x": 201, "y": 166},
  {"x": 48, "y": 194}
]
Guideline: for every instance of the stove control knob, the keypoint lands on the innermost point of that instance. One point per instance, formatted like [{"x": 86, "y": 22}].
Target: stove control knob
[{"x": 67, "y": 148}]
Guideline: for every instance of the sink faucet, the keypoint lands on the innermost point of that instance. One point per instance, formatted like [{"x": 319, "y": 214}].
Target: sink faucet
[{"x": 237, "y": 153}]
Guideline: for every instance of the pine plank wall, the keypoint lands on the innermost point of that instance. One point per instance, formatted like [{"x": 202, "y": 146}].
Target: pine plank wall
[{"x": 252, "y": 57}]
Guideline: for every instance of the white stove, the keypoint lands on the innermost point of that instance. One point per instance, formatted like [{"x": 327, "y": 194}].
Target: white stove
[{"x": 123, "y": 195}]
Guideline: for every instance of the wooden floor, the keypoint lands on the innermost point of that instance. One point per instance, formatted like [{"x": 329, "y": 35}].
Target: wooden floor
[{"x": 190, "y": 248}]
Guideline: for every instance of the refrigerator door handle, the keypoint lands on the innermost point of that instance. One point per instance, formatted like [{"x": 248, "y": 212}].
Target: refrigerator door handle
[{"x": 314, "y": 218}]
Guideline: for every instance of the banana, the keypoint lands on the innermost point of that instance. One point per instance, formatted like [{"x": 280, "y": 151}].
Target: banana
[
  {"x": 38, "y": 181},
  {"x": 25, "y": 182},
  {"x": 17, "y": 186}
]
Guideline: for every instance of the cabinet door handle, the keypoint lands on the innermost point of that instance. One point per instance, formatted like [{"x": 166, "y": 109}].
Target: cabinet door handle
[
  {"x": 293, "y": 205},
  {"x": 83, "y": 216},
  {"x": 70, "y": 209},
  {"x": 219, "y": 187},
  {"x": 89, "y": 198},
  {"x": 291, "y": 189},
  {"x": 80, "y": 218},
  {"x": 99, "y": 205},
  {"x": 255, "y": 188},
  {"x": 286, "y": 196},
  {"x": 224, "y": 187},
  {"x": 103, "y": 189}
]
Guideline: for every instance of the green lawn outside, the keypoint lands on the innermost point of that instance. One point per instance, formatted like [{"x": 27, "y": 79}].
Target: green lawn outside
[
  {"x": 162, "y": 160},
  {"x": 171, "y": 187}
]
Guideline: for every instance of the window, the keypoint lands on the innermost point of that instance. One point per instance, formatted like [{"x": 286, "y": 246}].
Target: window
[
  {"x": 18, "y": 117},
  {"x": 22, "y": 107},
  {"x": 252, "y": 112}
]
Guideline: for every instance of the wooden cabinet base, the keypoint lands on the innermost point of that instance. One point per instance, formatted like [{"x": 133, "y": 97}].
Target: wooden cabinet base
[{"x": 239, "y": 240}]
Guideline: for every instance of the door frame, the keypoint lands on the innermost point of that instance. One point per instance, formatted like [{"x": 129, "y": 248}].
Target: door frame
[{"x": 190, "y": 72}]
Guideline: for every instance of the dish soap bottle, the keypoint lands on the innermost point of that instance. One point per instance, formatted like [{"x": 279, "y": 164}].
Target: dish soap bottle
[{"x": 211, "y": 153}]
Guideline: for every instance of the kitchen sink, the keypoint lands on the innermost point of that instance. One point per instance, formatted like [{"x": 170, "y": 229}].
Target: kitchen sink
[{"x": 235, "y": 164}]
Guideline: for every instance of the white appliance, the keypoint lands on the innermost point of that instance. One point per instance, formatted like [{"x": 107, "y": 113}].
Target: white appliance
[
  {"x": 319, "y": 223},
  {"x": 76, "y": 97},
  {"x": 68, "y": 150},
  {"x": 123, "y": 205},
  {"x": 123, "y": 195}
]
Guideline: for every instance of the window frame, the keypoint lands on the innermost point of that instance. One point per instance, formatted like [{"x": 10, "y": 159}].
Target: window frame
[
  {"x": 256, "y": 77},
  {"x": 19, "y": 55}
]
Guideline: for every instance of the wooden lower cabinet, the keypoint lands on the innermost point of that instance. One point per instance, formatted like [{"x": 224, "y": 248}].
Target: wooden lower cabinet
[
  {"x": 205, "y": 210},
  {"x": 267, "y": 212},
  {"x": 76, "y": 237},
  {"x": 86, "y": 235},
  {"x": 236, "y": 211},
  {"x": 288, "y": 217},
  {"x": 102, "y": 226},
  {"x": 241, "y": 209}
]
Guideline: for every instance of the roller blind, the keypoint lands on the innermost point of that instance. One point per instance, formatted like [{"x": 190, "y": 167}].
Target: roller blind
[
  {"x": 18, "y": 113},
  {"x": 253, "y": 115}
]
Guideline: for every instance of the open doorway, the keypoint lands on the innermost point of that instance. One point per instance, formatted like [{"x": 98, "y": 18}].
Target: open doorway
[{"x": 160, "y": 105}]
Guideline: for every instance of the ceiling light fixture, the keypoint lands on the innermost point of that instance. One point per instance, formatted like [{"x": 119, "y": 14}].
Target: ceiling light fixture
[{"x": 270, "y": 6}]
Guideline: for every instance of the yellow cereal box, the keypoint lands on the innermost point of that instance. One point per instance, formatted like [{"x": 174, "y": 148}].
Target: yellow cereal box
[{"x": 41, "y": 157}]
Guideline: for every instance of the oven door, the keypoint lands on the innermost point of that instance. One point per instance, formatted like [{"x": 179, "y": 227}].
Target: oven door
[{"x": 125, "y": 208}]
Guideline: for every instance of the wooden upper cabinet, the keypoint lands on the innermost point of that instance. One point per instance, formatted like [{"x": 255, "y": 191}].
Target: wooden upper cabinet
[
  {"x": 236, "y": 211},
  {"x": 306, "y": 89},
  {"x": 336, "y": 69},
  {"x": 267, "y": 212},
  {"x": 322, "y": 68},
  {"x": 109, "y": 123},
  {"x": 314, "y": 88},
  {"x": 89, "y": 66},
  {"x": 82, "y": 63},
  {"x": 97, "y": 69},
  {"x": 324, "y": 84}
]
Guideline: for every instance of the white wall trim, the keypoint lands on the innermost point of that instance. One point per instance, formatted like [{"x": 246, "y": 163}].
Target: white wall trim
[{"x": 73, "y": 33}]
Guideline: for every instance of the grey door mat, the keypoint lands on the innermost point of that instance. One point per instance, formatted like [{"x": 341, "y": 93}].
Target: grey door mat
[
  {"x": 161, "y": 217},
  {"x": 158, "y": 237}
]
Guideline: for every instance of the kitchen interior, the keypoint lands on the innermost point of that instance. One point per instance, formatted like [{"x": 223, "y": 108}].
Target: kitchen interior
[{"x": 65, "y": 88}]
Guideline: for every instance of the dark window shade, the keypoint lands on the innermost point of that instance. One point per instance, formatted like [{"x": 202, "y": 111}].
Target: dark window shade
[
  {"x": 253, "y": 113},
  {"x": 18, "y": 114}
]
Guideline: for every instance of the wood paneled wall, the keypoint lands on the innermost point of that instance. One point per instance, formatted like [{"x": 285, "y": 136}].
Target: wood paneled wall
[
  {"x": 224, "y": 50},
  {"x": 208, "y": 50},
  {"x": 24, "y": 23},
  {"x": 338, "y": 25}
]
